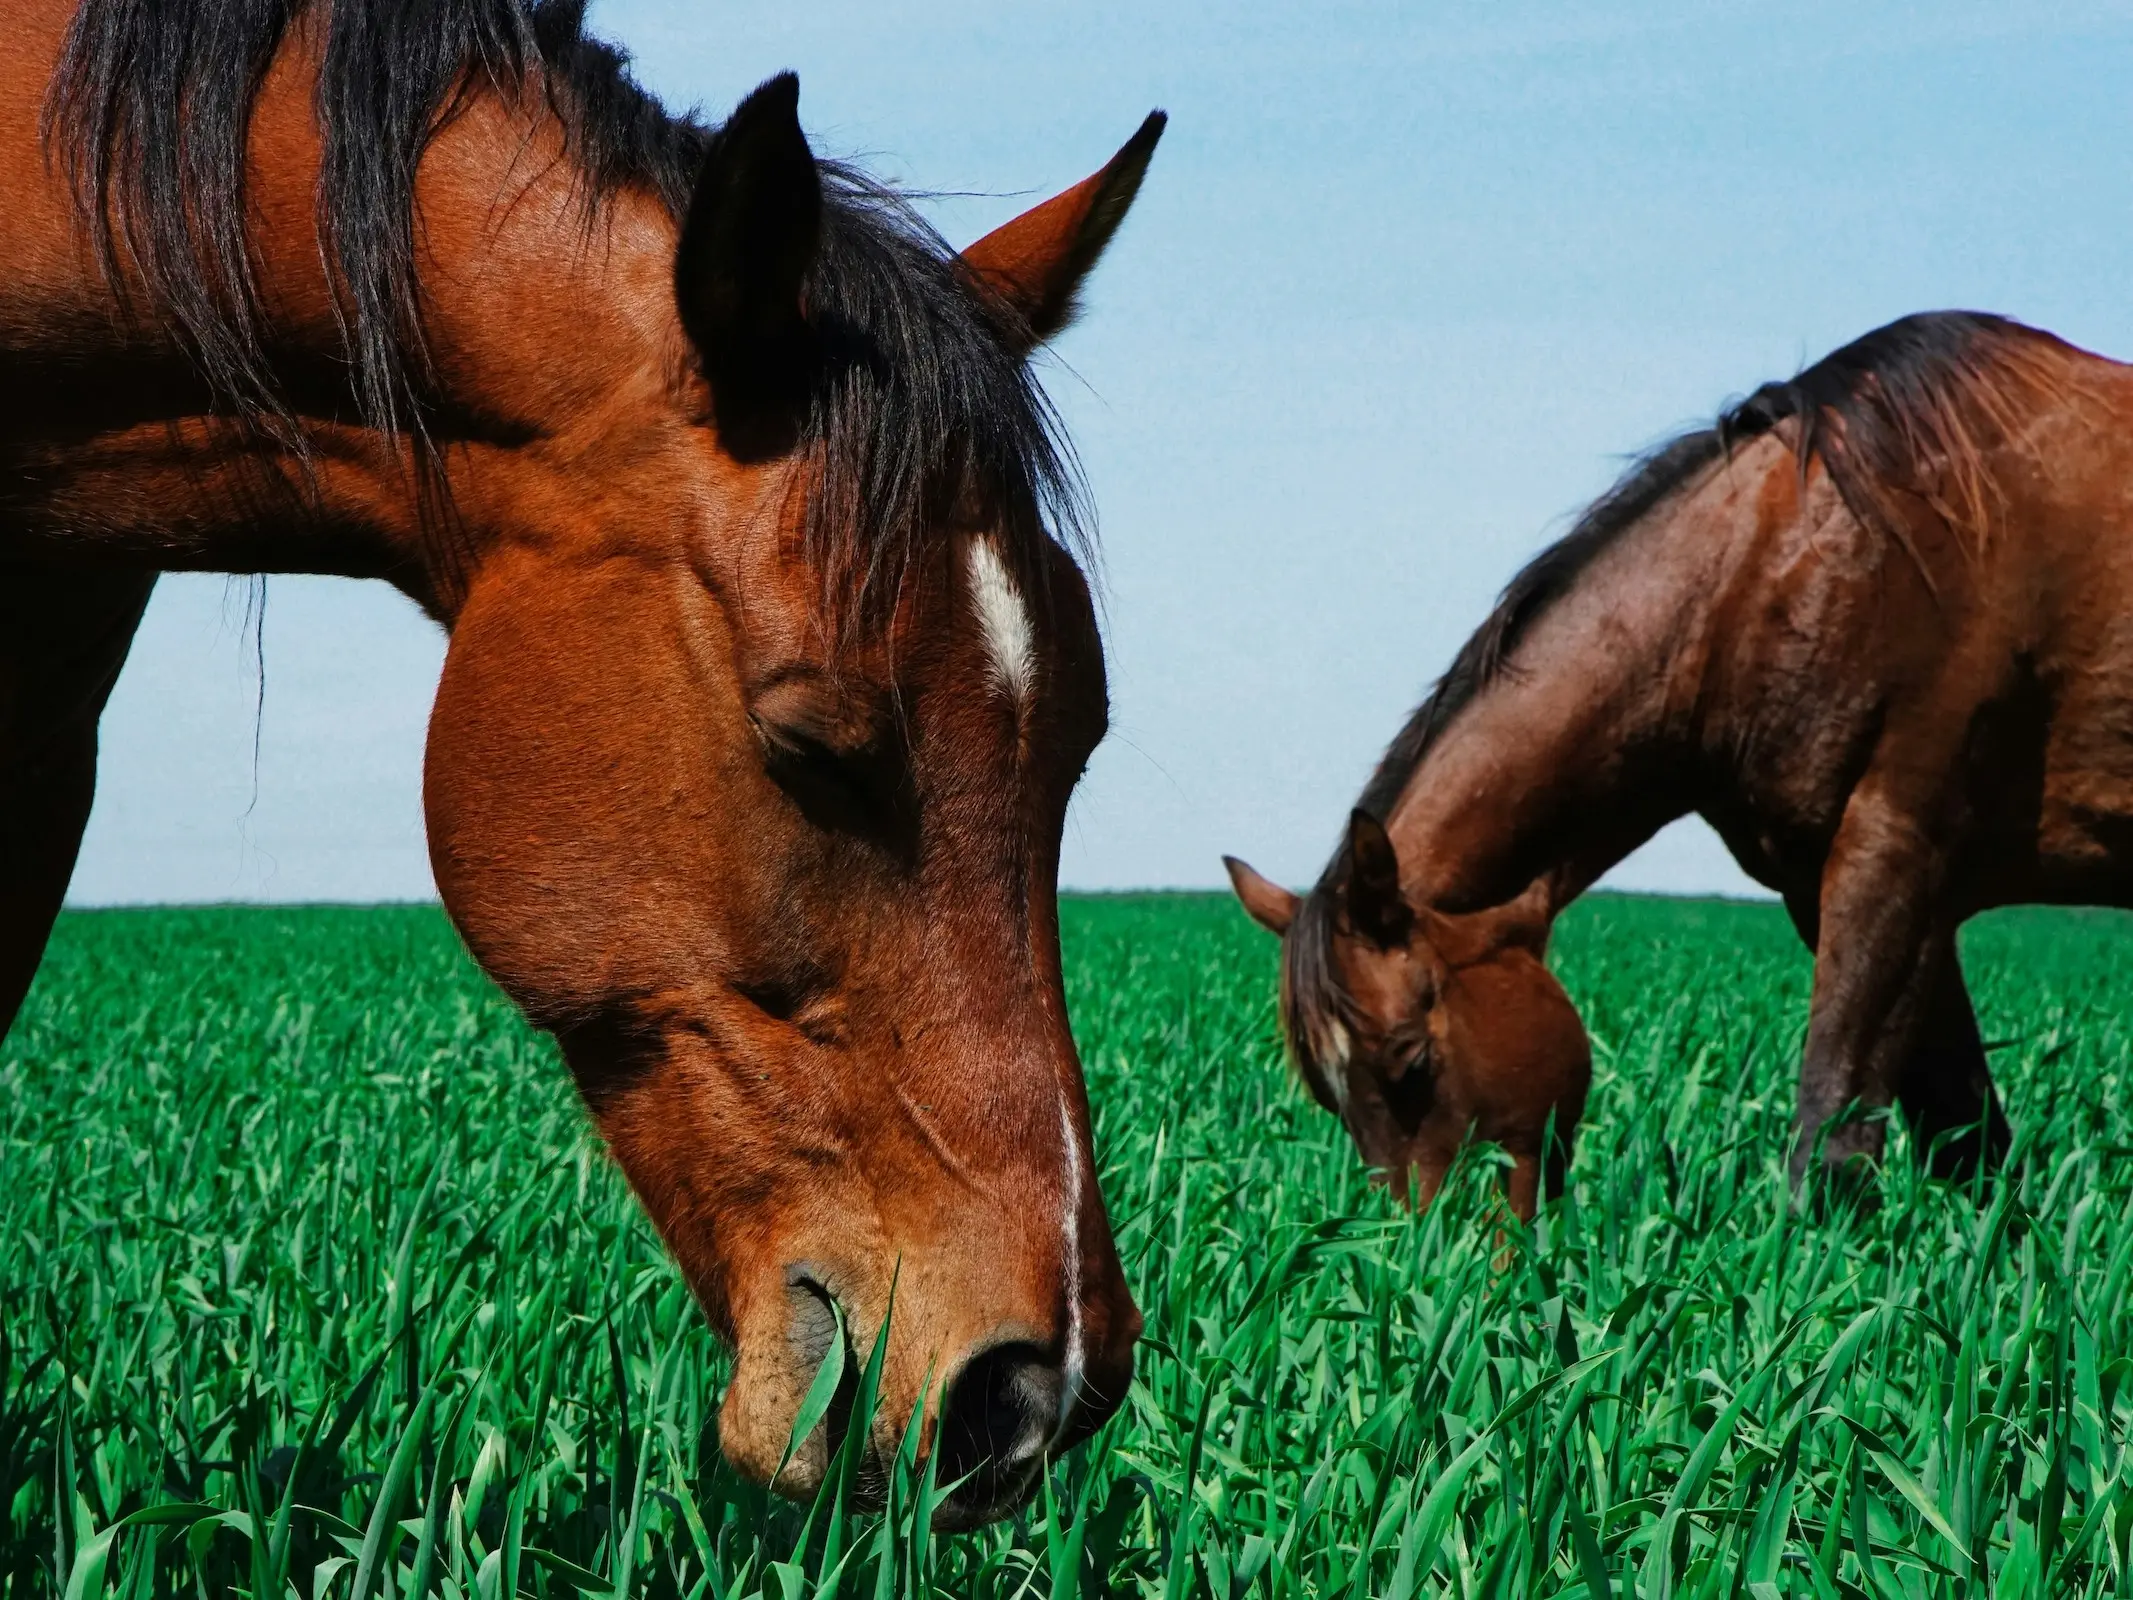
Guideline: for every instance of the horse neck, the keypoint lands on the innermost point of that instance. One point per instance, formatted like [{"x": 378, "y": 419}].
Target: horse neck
[
  {"x": 548, "y": 332},
  {"x": 1584, "y": 744}
]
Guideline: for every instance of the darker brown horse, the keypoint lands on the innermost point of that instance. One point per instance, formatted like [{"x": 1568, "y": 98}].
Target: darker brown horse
[
  {"x": 1873, "y": 627},
  {"x": 769, "y": 671}
]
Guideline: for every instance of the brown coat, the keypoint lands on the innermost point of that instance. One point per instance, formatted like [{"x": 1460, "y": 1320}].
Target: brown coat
[
  {"x": 1872, "y": 626},
  {"x": 730, "y": 483}
]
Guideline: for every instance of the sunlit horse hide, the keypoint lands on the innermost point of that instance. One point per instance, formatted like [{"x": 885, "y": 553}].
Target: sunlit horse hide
[
  {"x": 1873, "y": 627},
  {"x": 771, "y": 663}
]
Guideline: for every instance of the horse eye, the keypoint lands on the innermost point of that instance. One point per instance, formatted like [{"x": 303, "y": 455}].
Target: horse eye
[
  {"x": 862, "y": 789},
  {"x": 788, "y": 741},
  {"x": 800, "y": 755},
  {"x": 1411, "y": 1062}
]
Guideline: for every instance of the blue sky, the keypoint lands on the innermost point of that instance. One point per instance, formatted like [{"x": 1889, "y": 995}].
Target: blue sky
[{"x": 1404, "y": 286}]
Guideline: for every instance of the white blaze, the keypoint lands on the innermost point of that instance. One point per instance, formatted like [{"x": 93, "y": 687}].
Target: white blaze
[
  {"x": 1012, "y": 646},
  {"x": 1070, "y": 1390},
  {"x": 1005, "y": 621},
  {"x": 1334, "y": 1069}
]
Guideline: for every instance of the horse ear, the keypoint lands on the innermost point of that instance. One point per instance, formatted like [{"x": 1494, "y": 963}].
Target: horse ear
[
  {"x": 1526, "y": 921},
  {"x": 1266, "y": 902},
  {"x": 754, "y": 224},
  {"x": 1375, "y": 905},
  {"x": 1035, "y": 263},
  {"x": 1520, "y": 924}
]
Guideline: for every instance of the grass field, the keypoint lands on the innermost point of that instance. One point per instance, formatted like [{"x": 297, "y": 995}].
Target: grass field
[{"x": 315, "y": 1283}]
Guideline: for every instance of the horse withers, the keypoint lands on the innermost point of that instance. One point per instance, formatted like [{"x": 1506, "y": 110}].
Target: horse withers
[
  {"x": 770, "y": 663},
  {"x": 1871, "y": 626}
]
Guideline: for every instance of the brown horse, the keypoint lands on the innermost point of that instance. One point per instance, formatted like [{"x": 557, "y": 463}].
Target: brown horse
[
  {"x": 1873, "y": 627},
  {"x": 769, "y": 670}
]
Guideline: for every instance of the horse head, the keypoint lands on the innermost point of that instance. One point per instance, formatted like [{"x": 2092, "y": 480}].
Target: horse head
[
  {"x": 1419, "y": 1029},
  {"x": 747, "y": 777}
]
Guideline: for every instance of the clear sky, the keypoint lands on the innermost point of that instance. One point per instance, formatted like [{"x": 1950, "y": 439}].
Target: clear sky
[{"x": 1405, "y": 284}]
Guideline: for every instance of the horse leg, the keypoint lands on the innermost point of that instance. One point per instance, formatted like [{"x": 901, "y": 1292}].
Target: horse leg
[
  {"x": 1946, "y": 1088},
  {"x": 63, "y": 638},
  {"x": 1877, "y": 940},
  {"x": 1537, "y": 1174}
]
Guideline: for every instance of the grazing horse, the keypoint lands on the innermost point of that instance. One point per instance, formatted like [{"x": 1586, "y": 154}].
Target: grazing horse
[
  {"x": 770, "y": 666},
  {"x": 1873, "y": 627}
]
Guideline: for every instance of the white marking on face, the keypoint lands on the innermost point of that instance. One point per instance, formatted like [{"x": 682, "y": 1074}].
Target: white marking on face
[
  {"x": 1004, "y": 620},
  {"x": 1070, "y": 1390},
  {"x": 1334, "y": 1067},
  {"x": 1011, "y": 644}
]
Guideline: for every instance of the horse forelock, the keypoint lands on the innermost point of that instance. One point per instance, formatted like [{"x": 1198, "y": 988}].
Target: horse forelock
[
  {"x": 924, "y": 415},
  {"x": 921, "y": 401},
  {"x": 1320, "y": 1018}
]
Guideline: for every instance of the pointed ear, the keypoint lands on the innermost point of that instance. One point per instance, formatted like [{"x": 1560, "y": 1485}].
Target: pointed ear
[
  {"x": 1265, "y": 902},
  {"x": 1375, "y": 905},
  {"x": 1035, "y": 263},
  {"x": 1526, "y": 921},
  {"x": 754, "y": 223},
  {"x": 1520, "y": 924}
]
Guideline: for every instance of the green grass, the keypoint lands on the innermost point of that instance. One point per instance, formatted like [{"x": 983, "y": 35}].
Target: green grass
[{"x": 313, "y": 1273}]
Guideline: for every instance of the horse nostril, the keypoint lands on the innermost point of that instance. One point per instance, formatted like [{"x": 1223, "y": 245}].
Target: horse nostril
[
  {"x": 813, "y": 1328},
  {"x": 811, "y": 1338},
  {"x": 999, "y": 1414}
]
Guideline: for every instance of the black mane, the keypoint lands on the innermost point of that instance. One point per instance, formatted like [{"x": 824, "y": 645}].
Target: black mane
[
  {"x": 919, "y": 396},
  {"x": 1902, "y": 411}
]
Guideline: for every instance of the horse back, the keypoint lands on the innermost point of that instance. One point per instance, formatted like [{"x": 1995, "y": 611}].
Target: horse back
[{"x": 1966, "y": 637}]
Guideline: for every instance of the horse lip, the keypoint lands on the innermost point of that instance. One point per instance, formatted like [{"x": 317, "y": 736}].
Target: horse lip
[{"x": 960, "y": 1514}]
